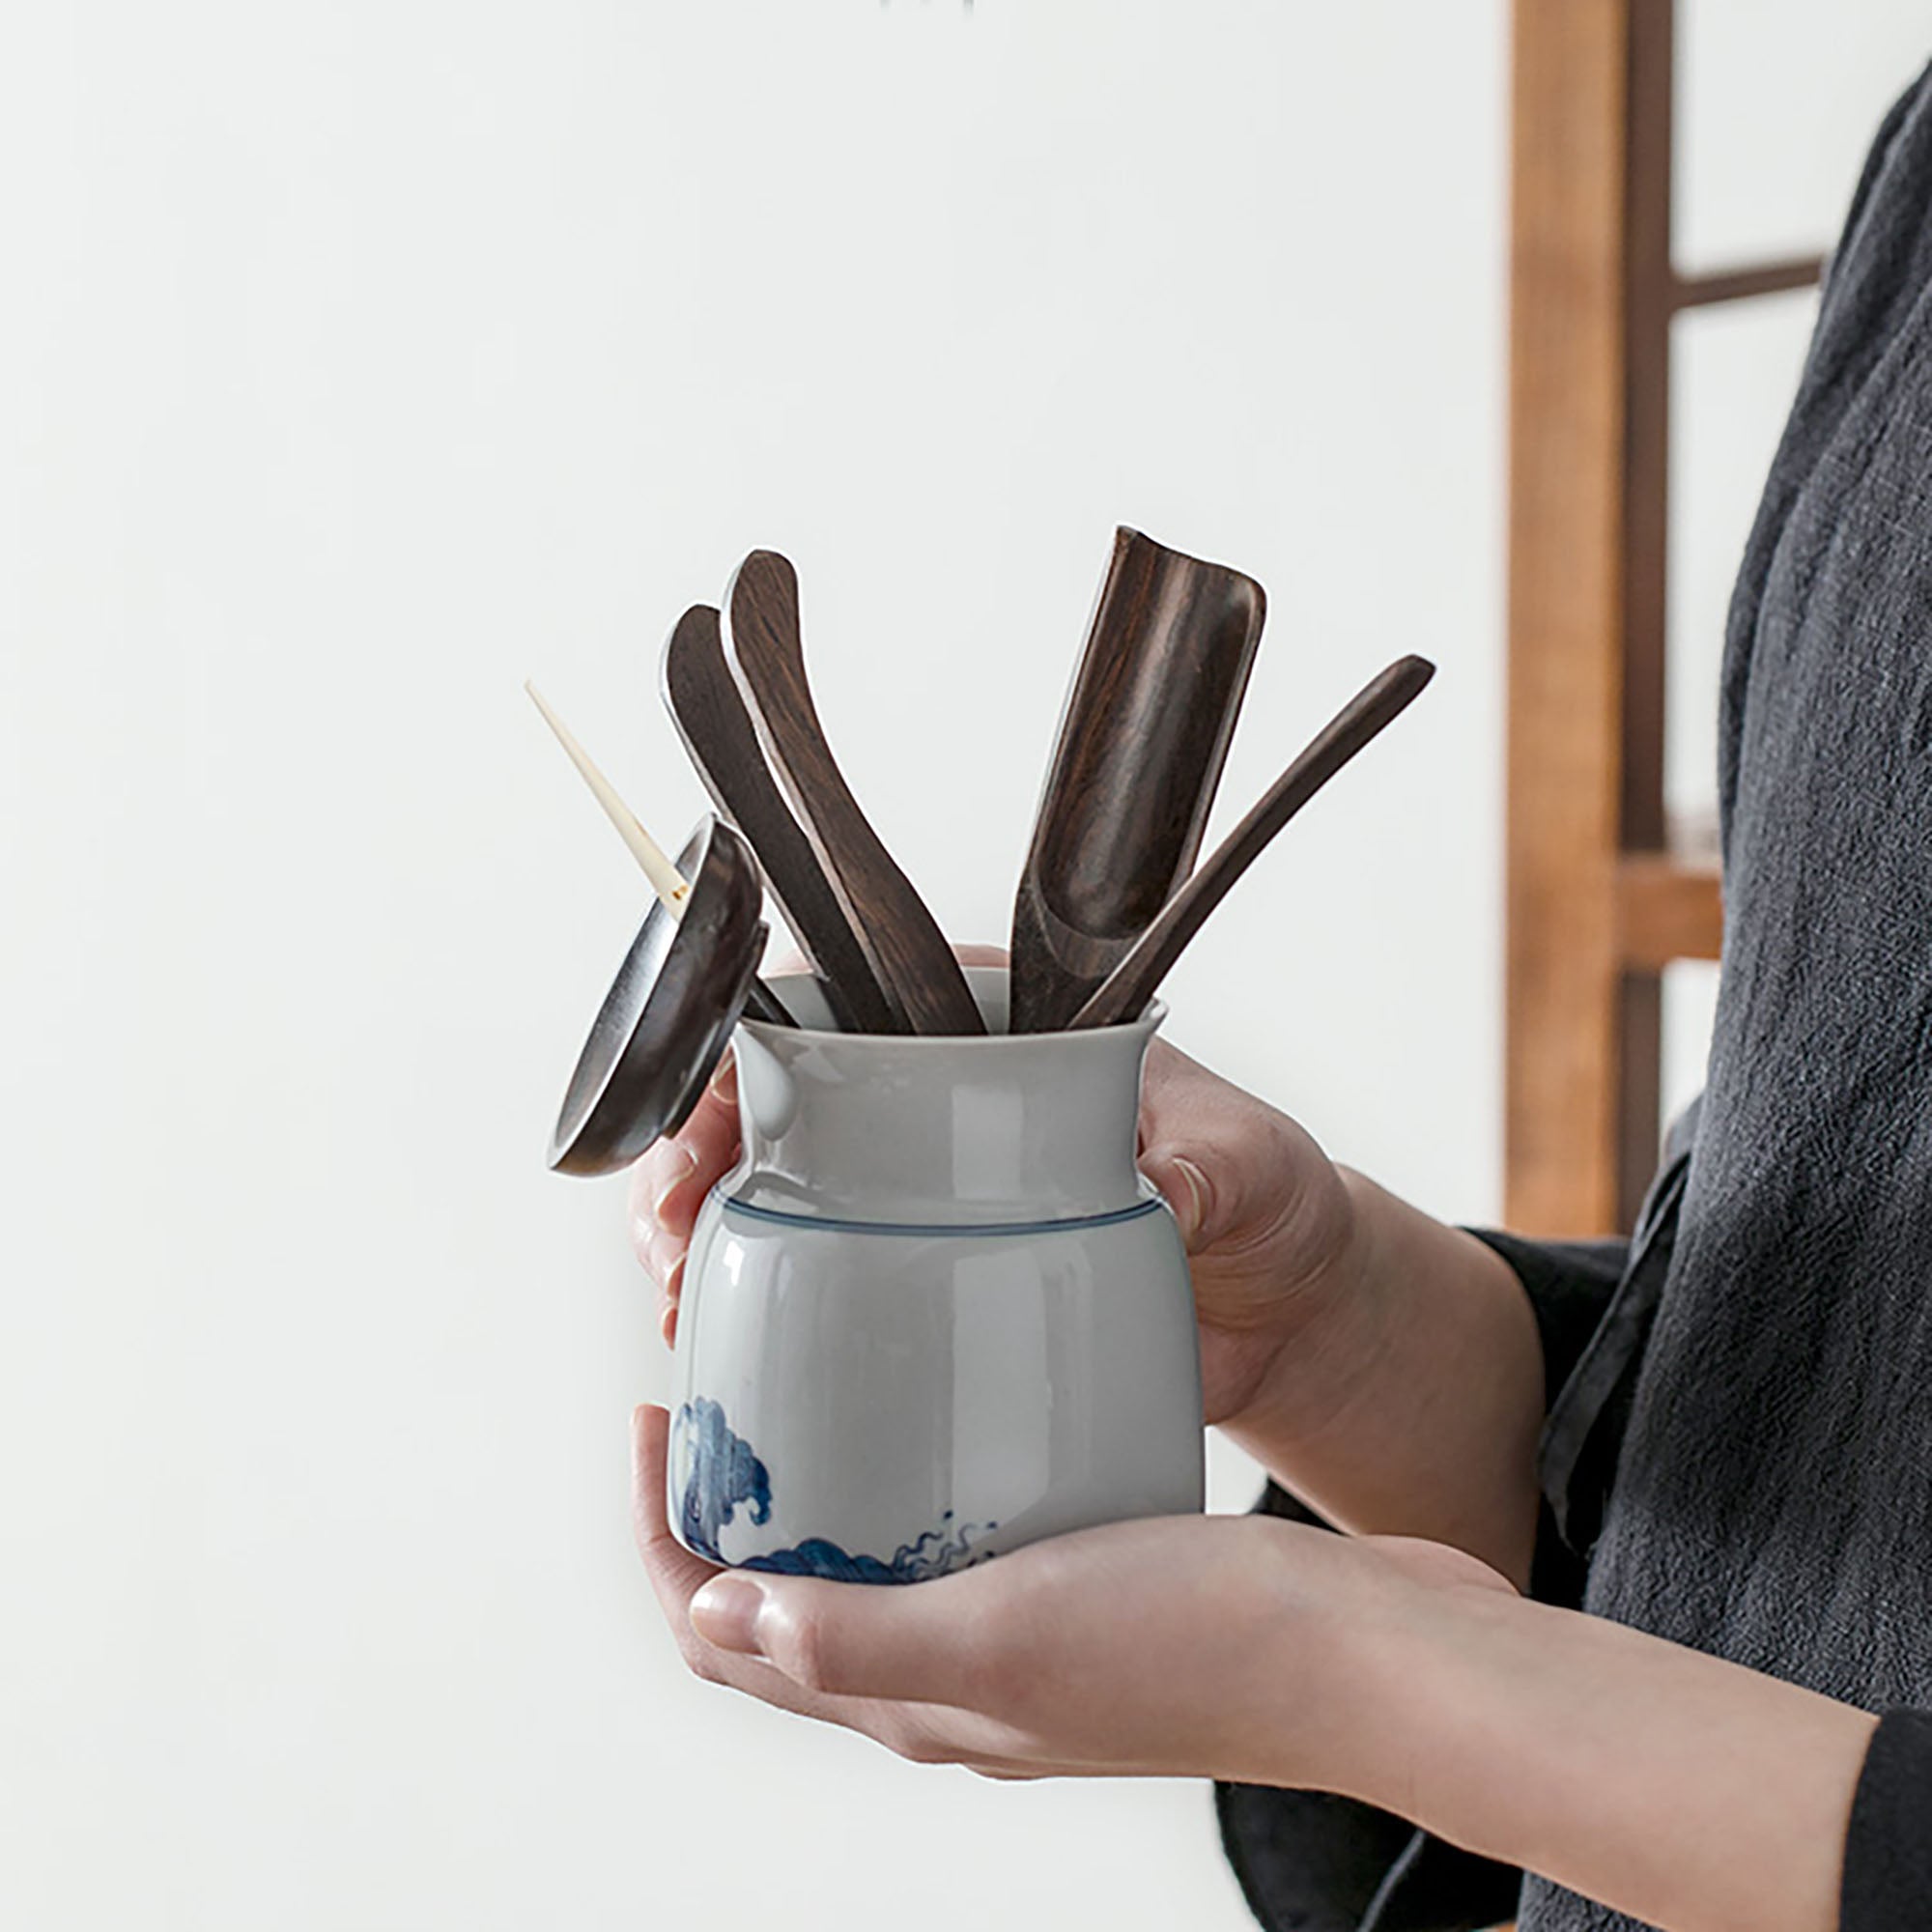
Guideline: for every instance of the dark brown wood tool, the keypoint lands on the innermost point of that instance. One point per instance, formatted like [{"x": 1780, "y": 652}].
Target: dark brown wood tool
[
  {"x": 1131, "y": 983},
  {"x": 901, "y": 941},
  {"x": 1142, "y": 743},
  {"x": 670, "y": 1014},
  {"x": 709, "y": 712}
]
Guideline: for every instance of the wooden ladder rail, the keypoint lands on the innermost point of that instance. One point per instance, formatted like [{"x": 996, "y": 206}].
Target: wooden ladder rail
[{"x": 1597, "y": 904}]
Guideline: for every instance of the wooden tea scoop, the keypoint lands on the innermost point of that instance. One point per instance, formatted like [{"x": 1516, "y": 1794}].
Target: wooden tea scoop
[
  {"x": 709, "y": 712},
  {"x": 667, "y": 880},
  {"x": 924, "y": 987},
  {"x": 1142, "y": 743},
  {"x": 1131, "y": 983}
]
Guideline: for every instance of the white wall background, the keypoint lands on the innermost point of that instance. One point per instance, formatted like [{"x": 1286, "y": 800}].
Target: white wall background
[{"x": 357, "y": 361}]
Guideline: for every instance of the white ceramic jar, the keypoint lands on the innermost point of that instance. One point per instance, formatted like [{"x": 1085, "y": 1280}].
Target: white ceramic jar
[{"x": 936, "y": 1311}]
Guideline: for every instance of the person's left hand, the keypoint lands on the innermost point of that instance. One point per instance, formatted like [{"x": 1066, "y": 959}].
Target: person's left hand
[{"x": 1237, "y": 1647}]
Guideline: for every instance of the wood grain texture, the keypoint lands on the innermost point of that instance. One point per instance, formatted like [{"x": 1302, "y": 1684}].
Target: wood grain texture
[
  {"x": 1649, "y": 291},
  {"x": 909, "y": 956},
  {"x": 1566, "y": 595},
  {"x": 1142, "y": 743},
  {"x": 1130, "y": 985},
  {"x": 709, "y": 712},
  {"x": 1597, "y": 907}
]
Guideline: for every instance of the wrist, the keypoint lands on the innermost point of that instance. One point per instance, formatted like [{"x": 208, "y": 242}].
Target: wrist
[
  {"x": 1364, "y": 1627},
  {"x": 1406, "y": 1395},
  {"x": 1677, "y": 1787}
]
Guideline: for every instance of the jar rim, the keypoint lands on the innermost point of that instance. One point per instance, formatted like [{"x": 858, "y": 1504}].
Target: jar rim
[{"x": 981, "y": 978}]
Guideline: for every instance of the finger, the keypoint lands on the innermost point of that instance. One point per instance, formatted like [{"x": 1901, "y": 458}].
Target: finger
[
  {"x": 1230, "y": 1166},
  {"x": 669, "y": 1181},
  {"x": 975, "y": 954},
  {"x": 710, "y": 1136},
  {"x": 659, "y": 1169},
  {"x": 676, "y": 1576},
  {"x": 919, "y": 1644},
  {"x": 1187, "y": 1192}
]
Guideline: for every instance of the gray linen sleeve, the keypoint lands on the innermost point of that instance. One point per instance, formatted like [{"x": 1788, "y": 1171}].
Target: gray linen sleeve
[
  {"x": 1594, "y": 1303},
  {"x": 1570, "y": 1285},
  {"x": 1887, "y": 1881}
]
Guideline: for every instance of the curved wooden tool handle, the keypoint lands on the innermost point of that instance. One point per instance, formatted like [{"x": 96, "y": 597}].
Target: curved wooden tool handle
[
  {"x": 1131, "y": 983},
  {"x": 1141, "y": 741},
  {"x": 706, "y": 707},
  {"x": 902, "y": 943}
]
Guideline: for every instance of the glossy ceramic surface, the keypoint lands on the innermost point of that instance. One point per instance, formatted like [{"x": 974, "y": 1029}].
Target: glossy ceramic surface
[{"x": 936, "y": 1311}]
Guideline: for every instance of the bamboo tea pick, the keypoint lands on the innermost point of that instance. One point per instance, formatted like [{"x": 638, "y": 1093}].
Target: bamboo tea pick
[{"x": 666, "y": 879}]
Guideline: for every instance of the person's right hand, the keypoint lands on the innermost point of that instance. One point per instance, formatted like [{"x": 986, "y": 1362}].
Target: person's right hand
[{"x": 1264, "y": 1214}]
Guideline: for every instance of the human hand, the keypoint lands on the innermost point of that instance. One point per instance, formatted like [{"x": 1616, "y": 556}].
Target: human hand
[
  {"x": 1677, "y": 1788},
  {"x": 1265, "y": 1215},
  {"x": 1237, "y": 1647}
]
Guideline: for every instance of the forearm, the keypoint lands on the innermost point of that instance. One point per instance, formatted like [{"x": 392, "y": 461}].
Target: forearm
[
  {"x": 1687, "y": 1791},
  {"x": 1413, "y": 1406}
]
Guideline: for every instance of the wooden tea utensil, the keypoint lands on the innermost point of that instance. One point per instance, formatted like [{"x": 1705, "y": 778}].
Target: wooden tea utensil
[
  {"x": 667, "y": 881},
  {"x": 709, "y": 712},
  {"x": 1131, "y": 983},
  {"x": 901, "y": 941},
  {"x": 1142, "y": 743},
  {"x": 670, "y": 1014}
]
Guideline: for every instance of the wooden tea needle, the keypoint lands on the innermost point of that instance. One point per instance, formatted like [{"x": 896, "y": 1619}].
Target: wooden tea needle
[{"x": 666, "y": 881}]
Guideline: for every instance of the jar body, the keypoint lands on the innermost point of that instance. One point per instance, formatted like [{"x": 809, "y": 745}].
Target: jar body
[{"x": 935, "y": 1312}]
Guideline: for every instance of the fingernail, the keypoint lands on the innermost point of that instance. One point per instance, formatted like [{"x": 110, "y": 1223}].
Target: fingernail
[
  {"x": 680, "y": 1172},
  {"x": 725, "y": 1613},
  {"x": 1189, "y": 1200}
]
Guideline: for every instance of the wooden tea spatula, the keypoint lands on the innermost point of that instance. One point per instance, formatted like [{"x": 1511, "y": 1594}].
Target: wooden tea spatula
[
  {"x": 1379, "y": 703},
  {"x": 1142, "y": 743},
  {"x": 901, "y": 941},
  {"x": 709, "y": 712}
]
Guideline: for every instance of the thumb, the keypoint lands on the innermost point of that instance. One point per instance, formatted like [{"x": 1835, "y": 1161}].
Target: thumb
[
  {"x": 844, "y": 1639},
  {"x": 1186, "y": 1191},
  {"x": 1234, "y": 1170}
]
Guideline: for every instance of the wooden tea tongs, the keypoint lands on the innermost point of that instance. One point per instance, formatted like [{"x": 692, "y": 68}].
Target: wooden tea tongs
[
  {"x": 708, "y": 709},
  {"x": 739, "y": 696}
]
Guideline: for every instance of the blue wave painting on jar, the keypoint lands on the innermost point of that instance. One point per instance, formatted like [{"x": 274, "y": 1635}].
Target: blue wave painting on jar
[{"x": 716, "y": 1473}]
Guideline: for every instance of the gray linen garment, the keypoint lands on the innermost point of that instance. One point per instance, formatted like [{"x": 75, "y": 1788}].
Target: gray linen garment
[{"x": 1738, "y": 1452}]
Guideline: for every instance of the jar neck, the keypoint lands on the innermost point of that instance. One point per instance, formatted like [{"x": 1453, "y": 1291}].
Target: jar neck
[{"x": 883, "y": 1128}]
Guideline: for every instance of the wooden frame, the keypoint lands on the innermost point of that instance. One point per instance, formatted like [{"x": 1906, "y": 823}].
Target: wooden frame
[{"x": 1597, "y": 905}]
